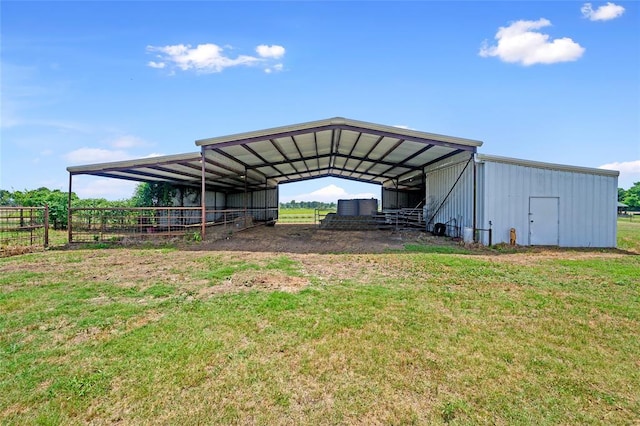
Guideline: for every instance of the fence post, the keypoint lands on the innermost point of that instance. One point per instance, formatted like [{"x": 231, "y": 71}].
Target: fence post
[
  {"x": 31, "y": 225},
  {"x": 46, "y": 225}
]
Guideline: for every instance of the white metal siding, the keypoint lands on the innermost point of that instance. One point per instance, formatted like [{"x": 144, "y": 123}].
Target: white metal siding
[
  {"x": 191, "y": 198},
  {"x": 587, "y": 203},
  {"x": 257, "y": 200},
  {"x": 457, "y": 208}
]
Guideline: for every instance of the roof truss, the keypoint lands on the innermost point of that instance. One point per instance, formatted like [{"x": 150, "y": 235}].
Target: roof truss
[{"x": 335, "y": 147}]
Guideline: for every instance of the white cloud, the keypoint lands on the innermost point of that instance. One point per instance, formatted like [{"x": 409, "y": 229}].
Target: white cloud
[
  {"x": 154, "y": 64},
  {"x": 624, "y": 166},
  {"x": 328, "y": 194},
  {"x": 95, "y": 155},
  {"x": 274, "y": 51},
  {"x": 275, "y": 68},
  {"x": 205, "y": 58},
  {"x": 521, "y": 43},
  {"x": 127, "y": 141},
  {"x": 211, "y": 58},
  {"x": 111, "y": 189},
  {"x": 43, "y": 153},
  {"x": 153, "y": 154},
  {"x": 603, "y": 13},
  {"x": 629, "y": 172}
]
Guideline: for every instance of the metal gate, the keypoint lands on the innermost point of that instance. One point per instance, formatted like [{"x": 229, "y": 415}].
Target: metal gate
[
  {"x": 23, "y": 227},
  {"x": 544, "y": 221}
]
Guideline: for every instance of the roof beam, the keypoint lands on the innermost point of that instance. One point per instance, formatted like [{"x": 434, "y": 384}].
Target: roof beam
[
  {"x": 176, "y": 172},
  {"x": 152, "y": 176},
  {"x": 234, "y": 176},
  {"x": 406, "y": 160},
  {"x": 199, "y": 168},
  {"x": 315, "y": 141},
  {"x": 261, "y": 158},
  {"x": 375, "y": 144},
  {"x": 331, "y": 174},
  {"x": 284, "y": 155},
  {"x": 355, "y": 144},
  {"x": 412, "y": 138},
  {"x": 125, "y": 168},
  {"x": 126, "y": 177},
  {"x": 325, "y": 171},
  {"x": 242, "y": 163},
  {"x": 295, "y": 143},
  {"x": 422, "y": 167},
  {"x": 224, "y": 166},
  {"x": 111, "y": 175},
  {"x": 361, "y": 159},
  {"x": 335, "y": 143},
  {"x": 383, "y": 156},
  {"x": 443, "y": 157}
]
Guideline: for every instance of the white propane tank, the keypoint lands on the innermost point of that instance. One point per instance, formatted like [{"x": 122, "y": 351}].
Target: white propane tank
[{"x": 467, "y": 235}]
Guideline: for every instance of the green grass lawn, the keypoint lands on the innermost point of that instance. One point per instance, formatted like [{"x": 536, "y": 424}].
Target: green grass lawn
[
  {"x": 629, "y": 234},
  {"x": 162, "y": 336},
  {"x": 299, "y": 215}
]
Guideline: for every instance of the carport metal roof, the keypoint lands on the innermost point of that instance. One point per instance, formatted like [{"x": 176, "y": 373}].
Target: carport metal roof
[{"x": 338, "y": 147}]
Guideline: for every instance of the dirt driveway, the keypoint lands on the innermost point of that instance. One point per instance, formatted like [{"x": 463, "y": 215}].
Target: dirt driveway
[{"x": 292, "y": 238}]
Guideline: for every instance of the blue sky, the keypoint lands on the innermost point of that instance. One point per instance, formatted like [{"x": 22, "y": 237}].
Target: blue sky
[{"x": 87, "y": 82}]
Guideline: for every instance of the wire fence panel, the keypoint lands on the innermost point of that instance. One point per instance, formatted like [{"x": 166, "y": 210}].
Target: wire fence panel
[
  {"x": 23, "y": 227},
  {"x": 120, "y": 223},
  {"x": 140, "y": 223}
]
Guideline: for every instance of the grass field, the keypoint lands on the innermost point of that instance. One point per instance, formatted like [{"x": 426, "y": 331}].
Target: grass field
[
  {"x": 299, "y": 215},
  {"x": 629, "y": 234},
  {"x": 165, "y": 336}
]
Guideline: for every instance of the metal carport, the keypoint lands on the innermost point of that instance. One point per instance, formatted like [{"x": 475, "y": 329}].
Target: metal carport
[{"x": 390, "y": 156}]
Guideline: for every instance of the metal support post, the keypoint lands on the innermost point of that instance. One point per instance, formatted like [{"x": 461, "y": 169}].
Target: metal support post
[{"x": 203, "y": 196}]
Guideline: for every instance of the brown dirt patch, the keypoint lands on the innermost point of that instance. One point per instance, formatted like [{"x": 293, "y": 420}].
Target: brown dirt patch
[
  {"x": 256, "y": 280},
  {"x": 329, "y": 256},
  {"x": 291, "y": 238}
]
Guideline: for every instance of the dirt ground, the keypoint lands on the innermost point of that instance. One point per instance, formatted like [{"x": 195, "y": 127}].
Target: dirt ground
[
  {"x": 293, "y": 238},
  {"x": 320, "y": 254}
]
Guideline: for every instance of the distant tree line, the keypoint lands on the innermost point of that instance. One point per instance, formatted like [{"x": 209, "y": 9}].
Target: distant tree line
[
  {"x": 630, "y": 197},
  {"x": 293, "y": 204}
]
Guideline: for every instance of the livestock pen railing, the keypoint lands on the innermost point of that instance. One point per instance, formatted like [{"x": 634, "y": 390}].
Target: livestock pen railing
[
  {"x": 23, "y": 227},
  {"x": 320, "y": 215},
  {"x": 138, "y": 223}
]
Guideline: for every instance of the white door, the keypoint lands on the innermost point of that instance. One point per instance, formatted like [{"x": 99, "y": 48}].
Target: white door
[{"x": 544, "y": 221}]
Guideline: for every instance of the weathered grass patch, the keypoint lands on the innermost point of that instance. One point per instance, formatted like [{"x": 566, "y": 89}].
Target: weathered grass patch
[{"x": 133, "y": 336}]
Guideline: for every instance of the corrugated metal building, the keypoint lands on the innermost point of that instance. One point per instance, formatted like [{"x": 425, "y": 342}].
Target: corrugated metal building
[
  {"x": 547, "y": 204},
  {"x": 458, "y": 189},
  {"x": 543, "y": 203}
]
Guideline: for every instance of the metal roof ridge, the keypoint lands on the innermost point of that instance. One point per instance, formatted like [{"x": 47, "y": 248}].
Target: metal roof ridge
[
  {"x": 340, "y": 122},
  {"x": 268, "y": 131},
  {"x": 134, "y": 162},
  {"x": 545, "y": 165}
]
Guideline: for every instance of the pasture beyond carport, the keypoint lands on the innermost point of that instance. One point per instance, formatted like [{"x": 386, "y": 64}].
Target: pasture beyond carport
[{"x": 165, "y": 335}]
